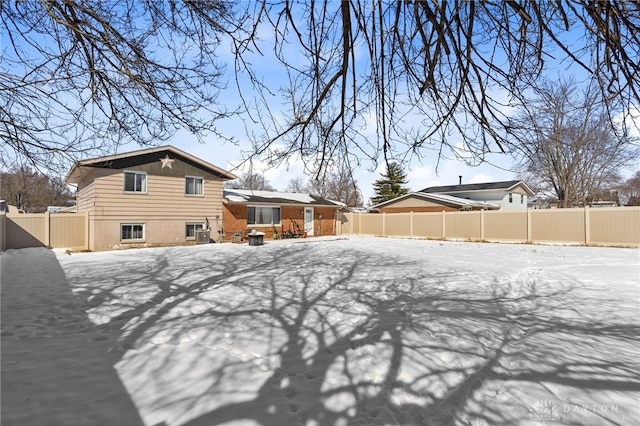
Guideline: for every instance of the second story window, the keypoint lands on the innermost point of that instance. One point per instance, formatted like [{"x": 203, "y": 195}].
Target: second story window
[
  {"x": 194, "y": 185},
  {"x": 135, "y": 182},
  {"x": 511, "y": 197}
]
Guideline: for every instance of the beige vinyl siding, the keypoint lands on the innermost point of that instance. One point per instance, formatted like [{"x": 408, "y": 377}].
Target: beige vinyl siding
[
  {"x": 84, "y": 198},
  {"x": 165, "y": 199},
  {"x": 163, "y": 210}
]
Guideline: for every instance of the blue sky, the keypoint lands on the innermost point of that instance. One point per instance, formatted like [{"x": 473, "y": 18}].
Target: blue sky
[{"x": 428, "y": 170}]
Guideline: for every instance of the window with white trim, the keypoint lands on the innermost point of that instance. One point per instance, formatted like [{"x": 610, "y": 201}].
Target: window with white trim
[
  {"x": 261, "y": 215},
  {"x": 190, "y": 230},
  {"x": 135, "y": 182},
  {"x": 194, "y": 185},
  {"x": 131, "y": 231}
]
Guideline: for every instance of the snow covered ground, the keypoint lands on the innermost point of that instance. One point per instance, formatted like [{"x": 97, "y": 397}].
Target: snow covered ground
[{"x": 328, "y": 331}]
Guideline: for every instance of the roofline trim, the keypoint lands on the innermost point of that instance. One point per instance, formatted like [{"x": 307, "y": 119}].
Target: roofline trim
[{"x": 88, "y": 162}]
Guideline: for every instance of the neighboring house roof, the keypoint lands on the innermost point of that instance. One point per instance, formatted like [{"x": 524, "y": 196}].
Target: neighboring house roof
[
  {"x": 127, "y": 159},
  {"x": 489, "y": 186},
  {"x": 440, "y": 198},
  {"x": 248, "y": 196}
]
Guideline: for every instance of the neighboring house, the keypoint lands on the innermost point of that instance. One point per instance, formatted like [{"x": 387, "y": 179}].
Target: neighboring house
[
  {"x": 507, "y": 195},
  {"x": 421, "y": 202},
  {"x": 538, "y": 202},
  {"x": 276, "y": 212},
  {"x": 151, "y": 197},
  {"x": 604, "y": 199}
]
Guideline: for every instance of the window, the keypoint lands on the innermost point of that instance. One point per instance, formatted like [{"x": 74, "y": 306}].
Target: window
[
  {"x": 263, "y": 215},
  {"x": 191, "y": 228},
  {"x": 135, "y": 182},
  {"x": 131, "y": 231},
  {"x": 193, "y": 185},
  {"x": 511, "y": 197},
  {"x": 521, "y": 198}
]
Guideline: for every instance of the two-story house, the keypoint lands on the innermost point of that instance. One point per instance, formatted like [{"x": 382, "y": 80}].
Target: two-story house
[
  {"x": 151, "y": 197},
  {"x": 505, "y": 195}
]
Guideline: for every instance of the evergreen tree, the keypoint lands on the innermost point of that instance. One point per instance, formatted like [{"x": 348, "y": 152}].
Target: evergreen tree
[{"x": 390, "y": 185}]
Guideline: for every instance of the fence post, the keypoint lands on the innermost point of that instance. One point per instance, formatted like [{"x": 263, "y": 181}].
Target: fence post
[
  {"x": 411, "y": 224},
  {"x": 47, "y": 229},
  {"x": 528, "y": 225},
  {"x": 86, "y": 227},
  {"x": 384, "y": 224},
  {"x": 481, "y": 224},
  {"x": 444, "y": 234},
  {"x": 3, "y": 232},
  {"x": 587, "y": 226}
]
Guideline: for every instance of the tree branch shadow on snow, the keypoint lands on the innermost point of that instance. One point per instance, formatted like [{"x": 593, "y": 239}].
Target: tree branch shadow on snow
[
  {"x": 56, "y": 367},
  {"x": 283, "y": 338}
]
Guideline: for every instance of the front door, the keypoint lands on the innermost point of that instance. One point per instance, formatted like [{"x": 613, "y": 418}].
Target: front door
[{"x": 308, "y": 220}]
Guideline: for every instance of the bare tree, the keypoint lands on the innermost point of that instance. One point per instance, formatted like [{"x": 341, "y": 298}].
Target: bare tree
[
  {"x": 337, "y": 184},
  {"x": 569, "y": 146},
  {"x": 32, "y": 191},
  {"x": 78, "y": 78},
  {"x": 425, "y": 71},
  {"x": 297, "y": 184},
  {"x": 388, "y": 78},
  {"x": 629, "y": 191},
  {"x": 250, "y": 180}
]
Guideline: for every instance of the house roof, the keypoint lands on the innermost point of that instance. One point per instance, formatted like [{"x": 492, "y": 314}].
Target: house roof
[
  {"x": 123, "y": 160},
  {"x": 441, "y": 198},
  {"x": 248, "y": 196},
  {"x": 488, "y": 186}
]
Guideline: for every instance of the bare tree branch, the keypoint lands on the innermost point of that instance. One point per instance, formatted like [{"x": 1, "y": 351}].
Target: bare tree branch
[{"x": 432, "y": 74}]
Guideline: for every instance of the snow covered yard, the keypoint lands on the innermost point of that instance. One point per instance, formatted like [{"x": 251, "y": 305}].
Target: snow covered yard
[{"x": 353, "y": 331}]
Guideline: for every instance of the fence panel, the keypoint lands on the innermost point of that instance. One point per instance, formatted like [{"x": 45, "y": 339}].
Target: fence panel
[
  {"x": 558, "y": 225},
  {"x": 605, "y": 230},
  {"x": 398, "y": 225},
  {"x": 26, "y": 230},
  {"x": 68, "y": 230},
  {"x": 616, "y": 226},
  {"x": 46, "y": 230},
  {"x": 462, "y": 225},
  {"x": 371, "y": 224},
  {"x": 428, "y": 225},
  {"x": 345, "y": 223},
  {"x": 505, "y": 226}
]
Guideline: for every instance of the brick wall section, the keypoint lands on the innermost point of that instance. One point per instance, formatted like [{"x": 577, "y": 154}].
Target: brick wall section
[{"x": 234, "y": 219}]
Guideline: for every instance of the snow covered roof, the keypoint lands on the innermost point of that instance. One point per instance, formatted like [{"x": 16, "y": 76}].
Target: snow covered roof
[
  {"x": 443, "y": 198},
  {"x": 246, "y": 196}
]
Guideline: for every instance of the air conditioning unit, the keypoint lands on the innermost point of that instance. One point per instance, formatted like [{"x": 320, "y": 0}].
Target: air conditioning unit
[{"x": 203, "y": 236}]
